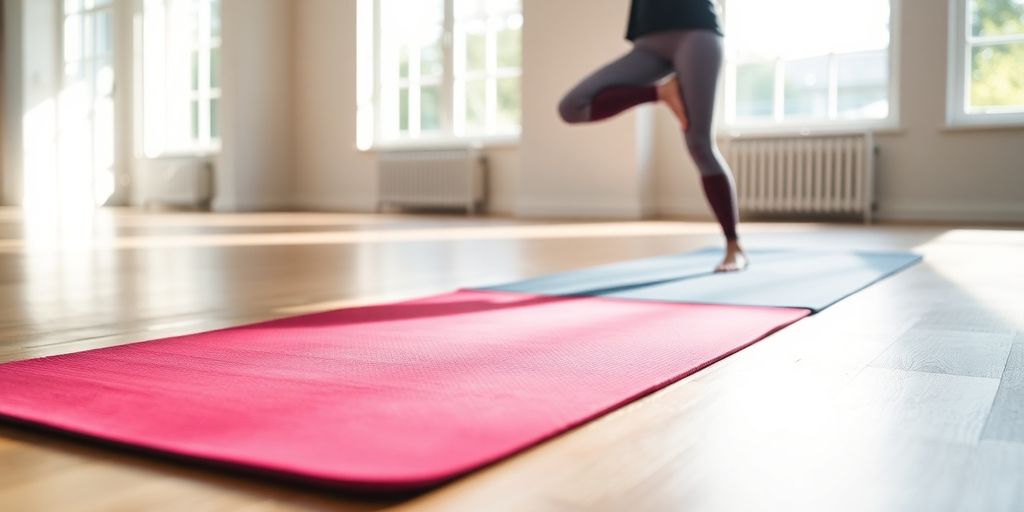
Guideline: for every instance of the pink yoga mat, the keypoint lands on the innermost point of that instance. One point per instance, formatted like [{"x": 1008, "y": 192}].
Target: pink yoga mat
[{"x": 395, "y": 397}]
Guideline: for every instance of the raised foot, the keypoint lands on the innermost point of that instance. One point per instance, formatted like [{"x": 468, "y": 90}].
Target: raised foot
[
  {"x": 668, "y": 93},
  {"x": 735, "y": 259}
]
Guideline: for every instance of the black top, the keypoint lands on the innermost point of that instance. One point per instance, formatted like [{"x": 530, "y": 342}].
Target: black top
[{"x": 649, "y": 16}]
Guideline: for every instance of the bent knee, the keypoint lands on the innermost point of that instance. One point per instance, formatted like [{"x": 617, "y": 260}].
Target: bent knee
[
  {"x": 573, "y": 110},
  {"x": 700, "y": 148},
  {"x": 703, "y": 152}
]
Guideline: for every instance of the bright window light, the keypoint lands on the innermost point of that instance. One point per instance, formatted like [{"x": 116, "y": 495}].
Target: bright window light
[
  {"x": 444, "y": 70},
  {"x": 180, "y": 74},
  {"x": 986, "y": 52},
  {"x": 807, "y": 62}
]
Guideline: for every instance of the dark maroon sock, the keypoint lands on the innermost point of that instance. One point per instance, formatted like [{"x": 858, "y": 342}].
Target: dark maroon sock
[
  {"x": 721, "y": 195},
  {"x": 613, "y": 100}
]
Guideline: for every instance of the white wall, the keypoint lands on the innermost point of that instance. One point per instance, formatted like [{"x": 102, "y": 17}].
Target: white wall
[
  {"x": 288, "y": 121},
  {"x": 933, "y": 173},
  {"x": 40, "y": 86},
  {"x": 583, "y": 170},
  {"x": 10, "y": 185},
  {"x": 926, "y": 171},
  {"x": 255, "y": 163},
  {"x": 330, "y": 173}
]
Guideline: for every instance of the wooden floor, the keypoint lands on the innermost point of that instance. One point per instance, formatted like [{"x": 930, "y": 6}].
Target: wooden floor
[{"x": 908, "y": 396}]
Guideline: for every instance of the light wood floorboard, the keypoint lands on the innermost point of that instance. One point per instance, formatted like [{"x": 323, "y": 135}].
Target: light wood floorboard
[{"x": 906, "y": 396}]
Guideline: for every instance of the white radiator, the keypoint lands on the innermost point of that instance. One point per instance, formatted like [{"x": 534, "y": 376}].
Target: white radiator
[
  {"x": 178, "y": 181},
  {"x": 823, "y": 174},
  {"x": 432, "y": 178}
]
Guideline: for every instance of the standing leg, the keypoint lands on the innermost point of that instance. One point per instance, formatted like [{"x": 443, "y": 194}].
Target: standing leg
[
  {"x": 624, "y": 83},
  {"x": 698, "y": 62}
]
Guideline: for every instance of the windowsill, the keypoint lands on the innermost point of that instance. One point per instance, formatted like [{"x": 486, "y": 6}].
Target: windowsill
[
  {"x": 492, "y": 142},
  {"x": 175, "y": 155},
  {"x": 983, "y": 126},
  {"x": 881, "y": 128}
]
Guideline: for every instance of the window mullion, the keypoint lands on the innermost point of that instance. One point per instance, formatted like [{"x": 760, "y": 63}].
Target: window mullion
[
  {"x": 448, "y": 87},
  {"x": 964, "y": 60},
  {"x": 204, "y": 72},
  {"x": 976, "y": 41},
  {"x": 779, "y": 99},
  {"x": 415, "y": 90},
  {"x": 448, "y": 70},
  {"x": 491, "y": 95},
  {"x": 378, "y": 82}
]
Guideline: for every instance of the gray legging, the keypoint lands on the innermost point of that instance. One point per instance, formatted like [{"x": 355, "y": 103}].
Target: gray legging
[{"x": 695, "y": 56}]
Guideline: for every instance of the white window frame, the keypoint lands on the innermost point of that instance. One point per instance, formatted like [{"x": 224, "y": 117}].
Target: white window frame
[
  {"x": 90, "y": 59},
  {"x": 206, "y": 93},
  {"x": 960, "y": 44},
  {"x": 727, "y": 88},
  {"x": 370, "y": 88},
  {"x": 205, "y": 144}
]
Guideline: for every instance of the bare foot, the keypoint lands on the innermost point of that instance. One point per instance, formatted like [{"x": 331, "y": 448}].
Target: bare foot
[
  {"x": 735, "y": 259},
  {"x": 668, "y": 93}
]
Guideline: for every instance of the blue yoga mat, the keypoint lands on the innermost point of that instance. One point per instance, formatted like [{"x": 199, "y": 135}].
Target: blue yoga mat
[{"x": 781, "y": 278}]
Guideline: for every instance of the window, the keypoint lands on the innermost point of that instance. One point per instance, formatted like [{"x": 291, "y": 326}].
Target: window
[
  {"x": 181, "y": 83},
  {"x": 986, "y": 55},
  {"x": 808, "y": 63},
  {"x": 445, "y": 69},
  {"x": 86, "y": 103}
]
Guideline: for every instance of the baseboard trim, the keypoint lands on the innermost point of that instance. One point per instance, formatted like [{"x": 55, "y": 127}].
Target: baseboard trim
[
  {"x": 954, "y": 211},
  {"x": 960, "y": 211},
  {"x": 578, "y": 210}
]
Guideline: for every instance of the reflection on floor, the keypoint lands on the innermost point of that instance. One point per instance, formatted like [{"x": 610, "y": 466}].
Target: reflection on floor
[{"x": 907, "y": 396}]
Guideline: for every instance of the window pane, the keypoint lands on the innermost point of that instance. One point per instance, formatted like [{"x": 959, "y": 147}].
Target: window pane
[
  {"x": 104, "y": 33},
  {"x": 104, "y": 78},
  {"x": 755, "y": 91},
  {"x": 71, "y": 6},
  {"x": 476, "y": 47},
  {"x": 195, "y": 120},
  {"x": 430, "y": 108},
  {"x": 103, "y": 132},
  {"x": 193, "y": 22},
  {"x": 195, "y": 71},
  {"x": 484, "y": 8},
  {"x": 214, "y": 125},
  {"x": 510, "y": 44},
  {"x": 403, "y": 62},
  {"x": 997, "y": 76},
  {"x": 408, "y": 28},
  {"x": 432, "y": 54},
  {"x": 806, "y": 89},
  {"x": 73, "y": 38},
  {"x": 997, "y": 17},
  {"x": 470, "y": 9},
  {"x": 863, "y": 85},
  {"x": 403, "y": 109},
  {"x": 763, "y": 33},
  {"x": 508, "y": 104},
  {"x": 504, "y": 6},
  {"x": 485, "y": 54},
  {"x": 476, "y": 106},
  {"x": 214, "y": 67},
  {"x": 88, "y": 39},
  {"x": 215, "y": 18},
  {"x": 180, "y": 71}
]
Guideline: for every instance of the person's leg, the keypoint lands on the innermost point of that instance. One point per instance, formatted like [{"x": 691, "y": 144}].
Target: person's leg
[
  {"x": 698, "y": 62},
  {"x": 626, "y": 82}
]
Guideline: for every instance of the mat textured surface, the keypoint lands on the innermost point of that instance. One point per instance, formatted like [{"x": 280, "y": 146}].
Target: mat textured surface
[
  {"x": 776, "y": 278},
  {"x": 395, "y": 397}
]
